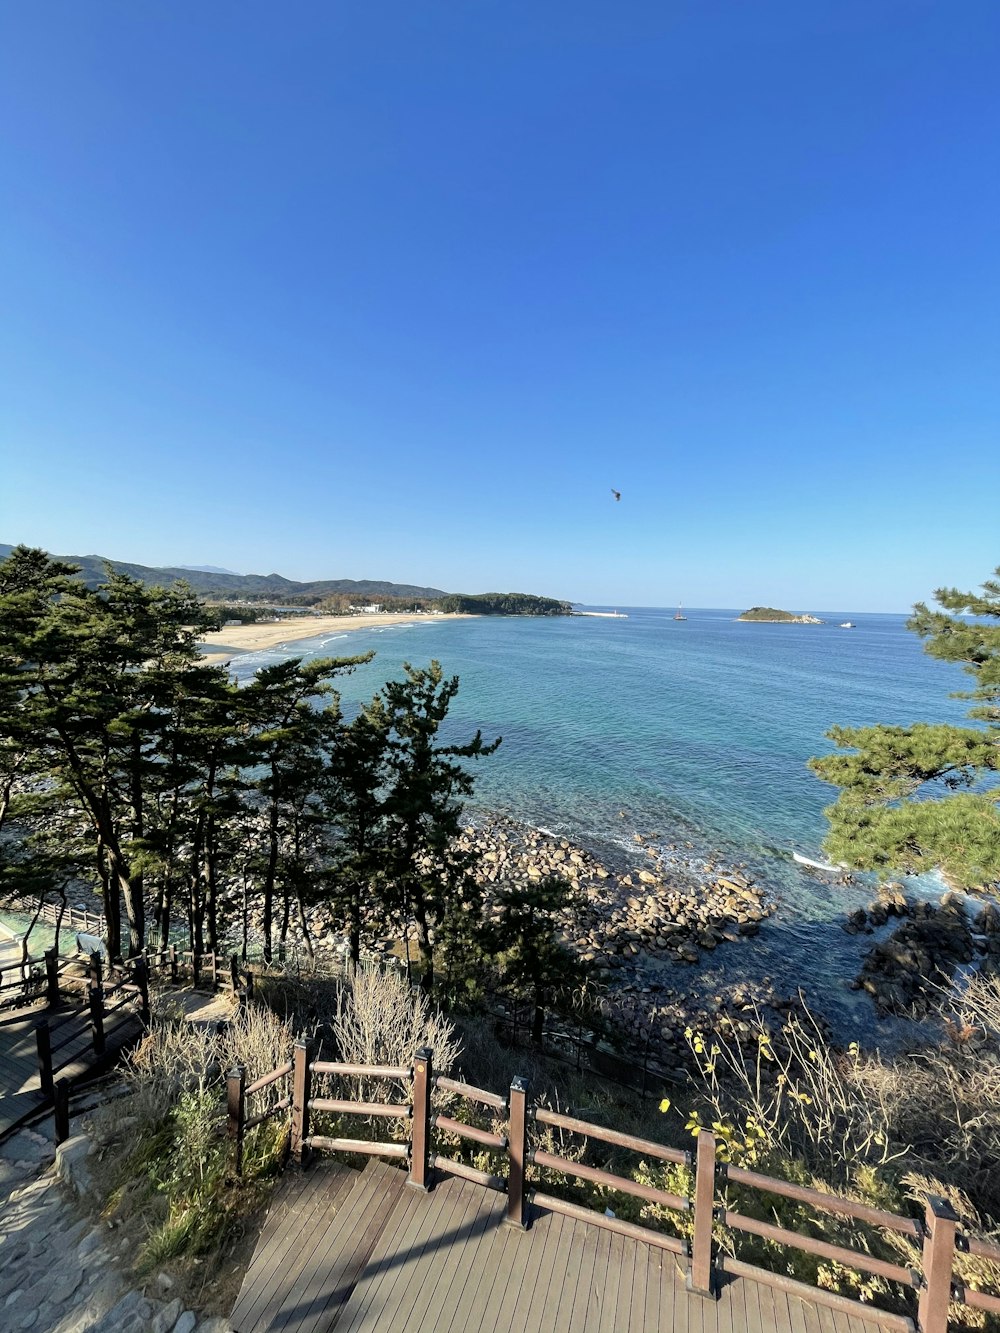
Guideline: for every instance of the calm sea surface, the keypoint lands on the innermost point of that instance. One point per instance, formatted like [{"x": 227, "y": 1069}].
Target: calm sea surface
[{"x": 694, "y": 734}]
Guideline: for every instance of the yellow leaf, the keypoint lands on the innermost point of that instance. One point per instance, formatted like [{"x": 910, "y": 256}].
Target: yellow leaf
[{"x": 665, "y": 1105}]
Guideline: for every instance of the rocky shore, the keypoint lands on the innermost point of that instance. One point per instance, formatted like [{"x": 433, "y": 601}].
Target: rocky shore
[
  {"x": 904, "y": 974},
  {"x": 617, "y": 922}
]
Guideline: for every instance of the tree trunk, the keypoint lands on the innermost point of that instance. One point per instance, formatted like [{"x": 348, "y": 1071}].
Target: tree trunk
[
  {"x": 537, "y": 1024},
  {"x": 269, "y": 878},
  {"x": 112, "y": 903},
  {"x": 306, "y": 934},
  {"x": 426, "y": 948}
]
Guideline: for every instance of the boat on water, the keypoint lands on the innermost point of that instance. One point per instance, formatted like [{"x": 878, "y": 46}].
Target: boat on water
[
  {"x": 680, "y": 613},
  {"x": 818, "y": 865},
  {"x": 848, "y": 624}
]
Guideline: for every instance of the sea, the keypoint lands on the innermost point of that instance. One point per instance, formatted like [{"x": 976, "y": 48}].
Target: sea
[{"x": 693, "y": 734}]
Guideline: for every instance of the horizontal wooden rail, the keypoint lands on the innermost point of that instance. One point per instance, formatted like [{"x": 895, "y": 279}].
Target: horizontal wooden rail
[
  {"x": 341, "y": 1106},
  {"x": 359, "y": 1071},
  {"x": 466, "y": 1172},
  {"x": 483, "y": 1136},
  {"x": 978, "y": 1300},
  {"x": 620, "y": 1183},
  {"x": 401, "y": 1150},
  {"x": 266, "y": 1080},
  {"x": 837, "y": 1253},
  {"x": 814, "y": 1295},
  {"x": 649, "y": 1237},
  {"x": 645, "y": 1146},
  {"x": 256, "y": 1120},
  {"x": 830, "y": 1203},
  {"x": 473, "y": 1094},
  {"x": 981, "y": 1248}
]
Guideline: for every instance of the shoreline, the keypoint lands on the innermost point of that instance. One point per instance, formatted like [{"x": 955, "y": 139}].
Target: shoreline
[{"x": 233, "y": 640}]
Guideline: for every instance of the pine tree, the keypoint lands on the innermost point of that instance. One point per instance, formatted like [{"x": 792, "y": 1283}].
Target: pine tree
[
  {"x": 926, "y": 796},
  {"x": 432, "y": 875}
]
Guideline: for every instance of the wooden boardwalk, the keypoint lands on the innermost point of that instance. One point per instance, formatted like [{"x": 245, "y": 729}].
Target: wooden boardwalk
[
  {"x": 360, "y": 1252},
  {"x": 20, "y": 1084}
]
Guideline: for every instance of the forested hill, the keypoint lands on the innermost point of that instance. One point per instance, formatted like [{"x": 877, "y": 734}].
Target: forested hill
[
  {"x": 334, "y": 594},
  {"x": 93, "y": 572},
  {"x": 503, "y": 604}
]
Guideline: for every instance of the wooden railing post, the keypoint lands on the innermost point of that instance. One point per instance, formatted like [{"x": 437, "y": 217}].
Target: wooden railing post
[
  {"x": 96, "y": 998},
  {"x": 301, "y": 1091},
  {"x": 142, "y": 981},
  {"x": 236, "y": 1109},
  {"x": 215, "y": 970},
  {"x": 701, "y": 1278},
  {"x": 60, "y": 1109},
  {"x": 940, "y": 1224},
  {"x": 195, "y": 969},
  {"x": 51, "y": 977},
  {"x": 173, "y": 964},
  {"x": 234, "y": 973},
  {"x": 420, "y": 1138},
  {"x": 517, "y": 1152},
  {"x": 44, "y": 1043}
]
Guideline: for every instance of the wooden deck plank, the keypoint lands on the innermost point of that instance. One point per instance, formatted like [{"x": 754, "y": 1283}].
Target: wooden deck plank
[
  {"x": 442, "y": 1209},
  {"x": 526, "y": 1313},
  {"x": 389, "y": 1261},
  {"x": 609, "y": 1309},
  {"x": 655, "y": 1261},
  {"x": 394, "y": 1260},
  {"x": 276, "y": 1259},
  {"x": 453, "y": 1213},
  {"x": 558, "y": 1272},
  {"x": 482, "y": 1257},
  {"x": 691, "y": 1312},
  {"x": 582, "y": 1295},
  {"x": 276, "y": 1264},
  {"x": 597, "y": 1291},
  {"x": 502, "y": 1254},
  {"x": 486, "y": 1257},
  {"x": 637, "y": 1310},
  {"x": 330, "y": 1277},
  {"x": 294, "y": 1256},
  {"x": 782, "y": 1312}
]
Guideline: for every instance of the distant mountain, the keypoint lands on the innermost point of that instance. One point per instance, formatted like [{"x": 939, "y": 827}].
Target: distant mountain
[
  {"x": 209, "y": 569},
  {"x": 212, "y": 583}
]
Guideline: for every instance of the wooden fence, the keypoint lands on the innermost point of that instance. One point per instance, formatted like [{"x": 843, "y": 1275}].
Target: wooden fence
[{"x": 939, "y": 1234}]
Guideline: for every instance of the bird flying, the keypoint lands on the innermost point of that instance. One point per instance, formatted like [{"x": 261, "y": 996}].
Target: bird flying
[{"x": 616, "y": 494}]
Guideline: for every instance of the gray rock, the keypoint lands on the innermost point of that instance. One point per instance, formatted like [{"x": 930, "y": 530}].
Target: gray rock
[
  {"x": 186, "y": 1323},
  {"x": 167, "y": 1317}
]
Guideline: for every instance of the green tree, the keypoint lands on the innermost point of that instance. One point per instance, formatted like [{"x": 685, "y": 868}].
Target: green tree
[
  {"x": 355, "y": 802},
  {"x": 925, "y": 796},
  {"x": 533, "y": 961},
  {"x": 431, "y": 874},
  {"x": 83, "y": 673},
  {"x": 291, "y": 737}
]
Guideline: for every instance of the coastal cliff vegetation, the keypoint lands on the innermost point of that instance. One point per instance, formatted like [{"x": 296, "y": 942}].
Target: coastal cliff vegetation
[{"x": 926, "y": 797}]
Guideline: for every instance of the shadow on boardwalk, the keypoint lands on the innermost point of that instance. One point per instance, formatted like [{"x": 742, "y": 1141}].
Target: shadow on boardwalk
[{"x": 360, "y": 1252}]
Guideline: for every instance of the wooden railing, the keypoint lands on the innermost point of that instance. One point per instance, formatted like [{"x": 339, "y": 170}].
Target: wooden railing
[
  {"x": 938, "y": 1234},
  {"x": 101, "y": 997}
]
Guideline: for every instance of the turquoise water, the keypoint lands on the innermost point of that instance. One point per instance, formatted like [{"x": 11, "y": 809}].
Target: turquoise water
[{"x": 694, "y": 734}]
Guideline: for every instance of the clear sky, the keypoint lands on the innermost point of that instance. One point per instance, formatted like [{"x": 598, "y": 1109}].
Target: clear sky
[{"x": 402, "y": 290}]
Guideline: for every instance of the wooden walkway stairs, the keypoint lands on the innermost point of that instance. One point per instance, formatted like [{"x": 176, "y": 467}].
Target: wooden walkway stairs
[{"x": 361, "y": 1252}]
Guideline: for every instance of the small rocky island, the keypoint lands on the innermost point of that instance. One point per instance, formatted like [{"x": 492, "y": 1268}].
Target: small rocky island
[{"x": 769, "y": 614}]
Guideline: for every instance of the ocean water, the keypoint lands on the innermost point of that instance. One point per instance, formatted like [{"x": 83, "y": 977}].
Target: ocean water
[{"x": 694, "y": 734}]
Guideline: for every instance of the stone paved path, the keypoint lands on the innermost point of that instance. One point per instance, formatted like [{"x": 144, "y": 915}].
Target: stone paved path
[{"x": 58, "y": 1271}]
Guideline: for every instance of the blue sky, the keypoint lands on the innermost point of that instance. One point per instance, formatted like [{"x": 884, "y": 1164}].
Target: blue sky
[{"x": 402, "y": 291}]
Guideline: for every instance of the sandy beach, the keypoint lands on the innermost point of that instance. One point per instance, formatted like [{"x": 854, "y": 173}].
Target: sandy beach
[{"x": 225, "y": 643}]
